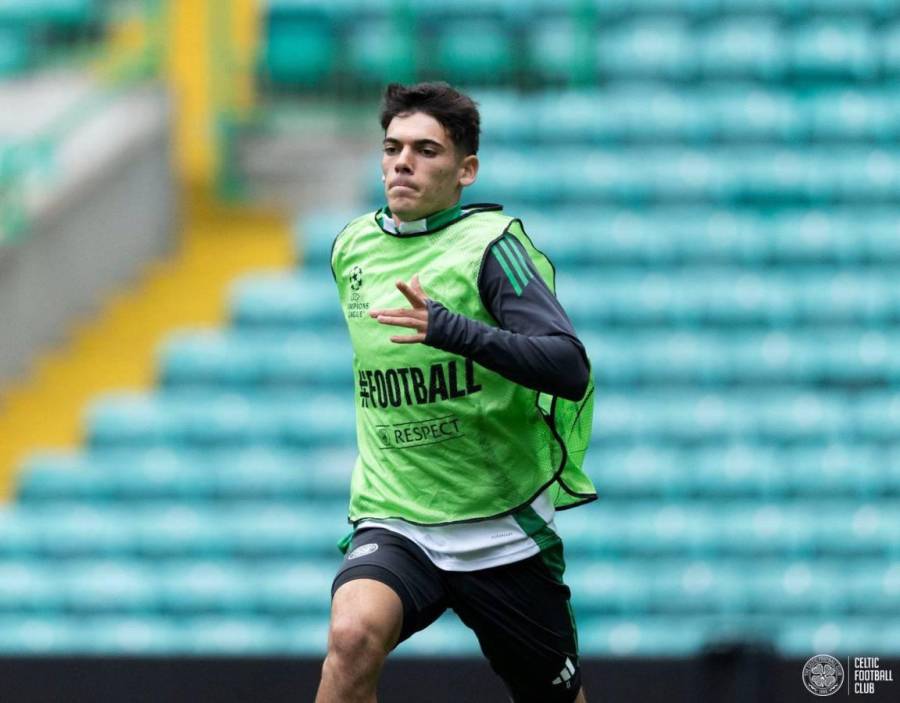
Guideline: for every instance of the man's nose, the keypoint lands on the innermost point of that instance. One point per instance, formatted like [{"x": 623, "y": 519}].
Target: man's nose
[{"x": 403, "y": 164}]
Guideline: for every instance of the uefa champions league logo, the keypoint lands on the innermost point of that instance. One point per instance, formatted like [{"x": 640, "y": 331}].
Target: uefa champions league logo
[
  {"x": 823, "y": 675},
  {"x": 356, "y": 278}
]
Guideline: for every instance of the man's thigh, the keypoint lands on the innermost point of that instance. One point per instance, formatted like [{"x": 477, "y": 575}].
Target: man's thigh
[
  {"x": 393, "y": 560},
  {"x": 522, "y": 616}
]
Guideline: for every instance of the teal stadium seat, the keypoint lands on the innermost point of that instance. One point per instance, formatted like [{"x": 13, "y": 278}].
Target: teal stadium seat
[
  {"x": 299, "y": 52},
  {"x": 285, "y": 301},
  {"x": 247, "y": 360},
  {"x": 645, "y": 636},
  {"x": 840, "y": 48},
  {"x": 797, "y": 588},
  {"x": 890, "y": 50},
  {"x": 15, "y": 54},
  {"x": 833, "y": 634},
  {"x": 314, "y": 235},
  {"x": 744, "y": 48},
  {"x": 699, "y": 587},
  {"x": 559, "y": 52},
  {"x": 381, "y": 52},
  {"x": 873, "y": 587},
  {"x": 609, "y": 587},
  {"x": 474, "y": 52},
  {"x": 47, "y": 12},
  {"x": 447, "y": 637},
  {"x": 29, "y": 586},
  {"x": 39, "y": 634},
  {"x": 206, "y": 587},
  {"x": 109, "y": 587},
  {"x": 287, "y": 589},
  {"x": 660, "y": 48}
]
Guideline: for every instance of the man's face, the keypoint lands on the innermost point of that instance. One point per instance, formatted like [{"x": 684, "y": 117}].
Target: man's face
[{"x": 423, "y": 171}]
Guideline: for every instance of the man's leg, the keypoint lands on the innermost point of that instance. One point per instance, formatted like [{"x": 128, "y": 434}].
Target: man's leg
[{"x": 366, "y": 617}]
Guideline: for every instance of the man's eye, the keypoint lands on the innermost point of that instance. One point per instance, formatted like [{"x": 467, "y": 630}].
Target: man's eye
[
  {"x": 390, "y": 149},
  {"x": 429, "y": 152}
]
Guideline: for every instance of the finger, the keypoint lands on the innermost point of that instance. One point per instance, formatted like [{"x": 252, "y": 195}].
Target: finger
[
  {"x": 409, "y": 339},
  {"x": 412, "y": 322},
  {"x": 395, "y": 312},
  {"x": 417, "y": 287},
  {"x": 416, "y": 300}
]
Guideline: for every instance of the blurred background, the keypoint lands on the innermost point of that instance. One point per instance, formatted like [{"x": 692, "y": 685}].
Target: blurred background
[{"x": 717, "y": 184}]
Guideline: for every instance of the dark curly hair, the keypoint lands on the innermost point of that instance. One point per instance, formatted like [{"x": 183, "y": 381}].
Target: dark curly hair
[{"x": 456, "y": 112}]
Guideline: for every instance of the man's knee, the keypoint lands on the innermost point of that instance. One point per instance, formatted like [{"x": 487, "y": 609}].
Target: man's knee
[{"x": 357, "y": 642}]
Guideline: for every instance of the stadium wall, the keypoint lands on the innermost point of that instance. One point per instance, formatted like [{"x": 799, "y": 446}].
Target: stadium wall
[
  {"x": 740, "y": 675},
  {"x": 111, "y": 209}
]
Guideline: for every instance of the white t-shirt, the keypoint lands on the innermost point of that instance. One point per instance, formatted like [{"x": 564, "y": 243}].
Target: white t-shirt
[{"x": 470, "y": 546}]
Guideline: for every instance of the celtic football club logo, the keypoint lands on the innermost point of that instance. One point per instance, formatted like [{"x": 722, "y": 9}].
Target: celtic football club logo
[
  {"x": 356, "y": 278},
  {"x": 823, "y": 675}
]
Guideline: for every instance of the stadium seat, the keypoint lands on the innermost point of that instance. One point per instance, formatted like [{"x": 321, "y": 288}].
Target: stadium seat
[
  {"x": 641, "y": 636},
  {"x": 299, "y": 52},
  {"x": 834, "y": 48},
  {"x": 647, "y": 48},
  {"x": 830, "y": 633},
  {"x": 474, "y": 53},
  {"x": 559, "y": 52},
  {"x": 285, "y": 301},
  {"x": 381, "y": 52},
  {"x": 14, "y": 51},
  {"x": 744, "y": 48}
]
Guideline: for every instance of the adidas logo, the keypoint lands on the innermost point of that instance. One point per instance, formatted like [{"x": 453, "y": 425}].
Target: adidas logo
[{"x": 566, "y": 674}]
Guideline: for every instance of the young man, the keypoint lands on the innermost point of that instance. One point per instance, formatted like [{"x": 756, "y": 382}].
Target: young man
[{"x": 471, "y": 429}]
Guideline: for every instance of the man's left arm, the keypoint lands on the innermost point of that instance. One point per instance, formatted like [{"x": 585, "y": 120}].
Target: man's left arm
[{"x": 535, "y": 344}]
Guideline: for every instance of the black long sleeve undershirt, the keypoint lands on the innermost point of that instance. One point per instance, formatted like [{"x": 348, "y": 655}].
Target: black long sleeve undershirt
[{"x": 535, "y": 344}]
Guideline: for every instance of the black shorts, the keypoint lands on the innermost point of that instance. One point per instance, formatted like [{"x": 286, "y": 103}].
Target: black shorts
[{"x": 520, "y": 612}]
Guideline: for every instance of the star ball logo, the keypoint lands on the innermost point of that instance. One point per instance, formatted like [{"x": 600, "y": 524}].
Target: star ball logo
[
  {"x": 356, "y": 278},
  {"x": 823, "y": 675}
]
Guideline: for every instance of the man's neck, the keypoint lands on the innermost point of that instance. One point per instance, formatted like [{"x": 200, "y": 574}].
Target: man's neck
[{"x": 429, "y": 222}]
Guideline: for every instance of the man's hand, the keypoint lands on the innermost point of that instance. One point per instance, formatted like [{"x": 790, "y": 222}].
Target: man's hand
[{"x": 415, "y": 317}]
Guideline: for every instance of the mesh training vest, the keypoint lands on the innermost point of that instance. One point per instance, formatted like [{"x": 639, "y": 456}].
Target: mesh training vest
[{"x": 442, "y": 439}]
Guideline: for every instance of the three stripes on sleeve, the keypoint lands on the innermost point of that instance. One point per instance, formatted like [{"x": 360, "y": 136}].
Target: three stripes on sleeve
[{"x": 513, "y": 261}]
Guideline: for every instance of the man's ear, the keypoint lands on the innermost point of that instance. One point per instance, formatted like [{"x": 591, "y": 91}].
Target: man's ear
[{"x": 468, "y": 170}]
